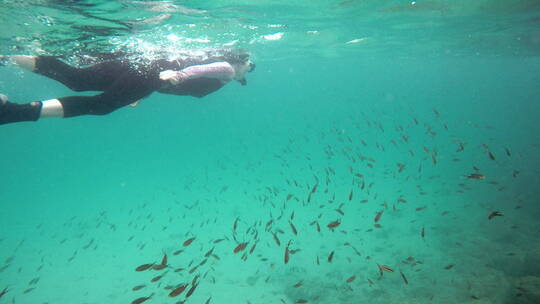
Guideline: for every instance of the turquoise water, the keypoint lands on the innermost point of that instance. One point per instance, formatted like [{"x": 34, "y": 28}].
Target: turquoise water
[{"x": 341, "y": 88}]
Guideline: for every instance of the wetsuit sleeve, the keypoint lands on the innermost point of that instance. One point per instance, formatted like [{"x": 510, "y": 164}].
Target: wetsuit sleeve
[{"x": 216, "y": 70}]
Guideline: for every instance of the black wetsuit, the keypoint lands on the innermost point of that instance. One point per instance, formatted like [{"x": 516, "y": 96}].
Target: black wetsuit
[{"x": 123, "y": 82}]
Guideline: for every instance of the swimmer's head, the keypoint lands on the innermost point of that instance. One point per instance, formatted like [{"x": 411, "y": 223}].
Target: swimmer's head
[{"x": 241, "y": 63}]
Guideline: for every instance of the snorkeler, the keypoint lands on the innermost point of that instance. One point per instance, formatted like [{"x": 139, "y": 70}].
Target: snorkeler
[{"x": 124, "y": 82}]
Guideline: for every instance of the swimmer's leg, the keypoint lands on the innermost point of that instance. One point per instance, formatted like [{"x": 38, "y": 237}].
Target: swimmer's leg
[
  {"x": 97, "y": 77},
  {"x": 122, "y": 92}
]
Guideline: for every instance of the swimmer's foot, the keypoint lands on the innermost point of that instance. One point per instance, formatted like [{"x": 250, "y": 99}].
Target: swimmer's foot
[
  {"x": 3, "y": 60},
  {"x": 14, "y": 112}
]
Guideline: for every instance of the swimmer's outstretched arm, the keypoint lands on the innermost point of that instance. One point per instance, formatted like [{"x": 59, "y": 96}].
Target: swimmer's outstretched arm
[{"x": 217, "y": 70}]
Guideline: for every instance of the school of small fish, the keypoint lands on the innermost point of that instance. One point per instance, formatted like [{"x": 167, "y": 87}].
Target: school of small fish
[{"x": 335, "y": 201}]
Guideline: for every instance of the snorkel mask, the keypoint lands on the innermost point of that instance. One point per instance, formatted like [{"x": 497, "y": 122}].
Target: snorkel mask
[{"x": 251, "y": 67}]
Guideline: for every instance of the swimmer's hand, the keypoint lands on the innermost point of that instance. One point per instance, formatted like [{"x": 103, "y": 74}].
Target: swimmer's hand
[{"x": 173, "y": 77}]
